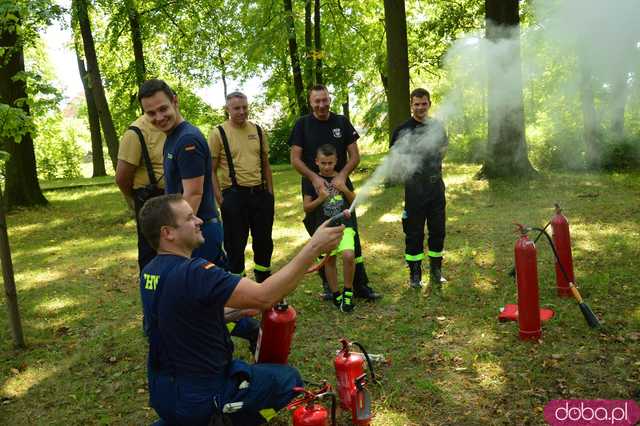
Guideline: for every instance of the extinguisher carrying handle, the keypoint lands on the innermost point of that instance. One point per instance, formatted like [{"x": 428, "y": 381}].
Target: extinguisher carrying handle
[
  {"x": 369, "y": 363},
  {"x": 512, "y": 272}
]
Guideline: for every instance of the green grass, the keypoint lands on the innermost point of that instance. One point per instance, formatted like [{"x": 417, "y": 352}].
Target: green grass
[{"x": 452, "y": 362}]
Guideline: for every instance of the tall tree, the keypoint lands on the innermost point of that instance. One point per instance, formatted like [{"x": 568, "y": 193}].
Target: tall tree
[
  {"x": 136, "y": 39},
  {"x": 93, "y": 70},
  {"x": 301, "y": 98},
  {"x": 397, "y": 77},
  {"x": 308, "y": 45},
  {"x": 506, "y": 146},
  {"x": 97, "y": 155},
  {"x": 21, "y": 184},
  {"x": 590, "y": 124},
  {"x": 317, "y": 41}
]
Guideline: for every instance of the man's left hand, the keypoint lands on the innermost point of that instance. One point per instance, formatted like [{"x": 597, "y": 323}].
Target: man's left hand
[{"x": 339, "y": 181}]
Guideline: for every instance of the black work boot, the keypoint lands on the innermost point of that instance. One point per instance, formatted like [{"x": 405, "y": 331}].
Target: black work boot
[
  {"x": 435, "y": 274},
  {"x": 261, "y": 275},
  {"x": 415, "y": 273}
]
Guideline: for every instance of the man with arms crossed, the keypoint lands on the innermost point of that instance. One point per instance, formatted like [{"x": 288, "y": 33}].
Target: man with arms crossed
[{"x": 192, "y": 375}]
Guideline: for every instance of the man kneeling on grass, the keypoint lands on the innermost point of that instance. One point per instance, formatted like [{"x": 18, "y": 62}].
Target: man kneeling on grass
[
  {"x": 320, "y": 206},
  {"x": 192, "y": 376}
]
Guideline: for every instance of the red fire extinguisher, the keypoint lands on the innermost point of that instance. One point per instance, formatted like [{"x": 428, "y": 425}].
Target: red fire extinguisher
[
  {"x": 351, "y": 382},
  {"x": 562, "y": 242},
  {"x": 276, "y": 332},
  {"x": 310, "y": 413},
  {"x": 527, "y": 279}
]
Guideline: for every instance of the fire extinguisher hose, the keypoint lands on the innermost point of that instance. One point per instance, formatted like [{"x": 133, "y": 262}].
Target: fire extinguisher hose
[
  {"x": 369, "y": 363},
  {"x": 588, "y": 314},
  {"x": 512, "y": 272}
]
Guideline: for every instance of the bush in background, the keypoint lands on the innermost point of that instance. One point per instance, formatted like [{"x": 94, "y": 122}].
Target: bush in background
[{"x": 57, "y": 147}]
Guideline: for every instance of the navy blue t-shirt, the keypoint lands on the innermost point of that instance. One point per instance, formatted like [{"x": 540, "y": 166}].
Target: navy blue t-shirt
[
  {"x": 309, "y": 133},
  {"x": 183, "y": 303},
  {"x": 187, "y": 156}
]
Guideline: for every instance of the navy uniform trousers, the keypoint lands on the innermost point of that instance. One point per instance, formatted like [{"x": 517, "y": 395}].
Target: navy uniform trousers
[{"x": 260, "y": 390}]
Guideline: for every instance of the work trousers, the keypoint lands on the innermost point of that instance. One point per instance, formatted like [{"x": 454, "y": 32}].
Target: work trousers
[
  {"x": 424, "y": 203},
  {"x": 254, "y": 394},
  {"x": 248, "y": 209}
]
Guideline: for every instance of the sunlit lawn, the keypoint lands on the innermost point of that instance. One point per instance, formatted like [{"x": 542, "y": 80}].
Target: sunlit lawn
[{"x": 452, "y": 362}]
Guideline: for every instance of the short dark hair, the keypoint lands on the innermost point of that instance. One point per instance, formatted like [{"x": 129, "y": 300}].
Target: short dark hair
[
  {"x": 327, "y": 150},
  {"x": 155, "y": 214},
  {"x": 420, "y": 93},
  {"x": 317, "y": 88},
  {"x": 236, "y": 94},
  {"x": 152, "y": 86}
]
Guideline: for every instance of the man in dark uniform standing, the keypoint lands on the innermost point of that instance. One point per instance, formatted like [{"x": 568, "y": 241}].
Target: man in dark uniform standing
[
  {"x": 309, "y": 133},
  {"x": 187, "y": 164},
  {"x": 424, "y": 197},
  {"x": 191, "y": 371},
  {"x": 243, "y": 187}
]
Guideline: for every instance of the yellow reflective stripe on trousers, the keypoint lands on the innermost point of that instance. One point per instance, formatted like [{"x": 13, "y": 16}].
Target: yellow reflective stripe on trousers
[
  {"x": 261, "y": 268},
  {"x": 268, "y": 413},
  {"x": 413, "y": 257},
  {"x": 435, "y": 253},
  {"x": 359, "y": 259},
  {"x": 231, "y": 326}
]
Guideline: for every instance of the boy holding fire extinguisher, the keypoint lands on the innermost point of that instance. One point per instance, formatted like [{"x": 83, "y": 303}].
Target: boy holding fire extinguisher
[{"x": 318, "y": 207}]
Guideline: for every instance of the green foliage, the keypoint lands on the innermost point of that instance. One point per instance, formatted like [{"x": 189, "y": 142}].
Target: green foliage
[
  {"x": 279, "y": 139},
  {"x": 620, "y": 155},
  {"x": 57, "y": 146}
]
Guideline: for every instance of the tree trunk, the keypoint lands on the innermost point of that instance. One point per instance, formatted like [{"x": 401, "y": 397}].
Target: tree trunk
[
  {"x": 308, "y": 45},
  {"x": 223, "y": 77},
  {"x": 590, "y": 125},
  {"x": 21, "y": 177},
  {"x": 301, "y": 98},
  {"x": 93, "y": 70},
  {"x": 318, "y": 54},
  {"x": 345, "y": 109},
  {"x": 9, "y": 281},
  {"x": 97, "y": 156},
  {"x": 618, "y": 104},
  {"x": 136, "y": 38},
  {"x": 397, "y": 77},
  {"x": 506, "y": 147}
]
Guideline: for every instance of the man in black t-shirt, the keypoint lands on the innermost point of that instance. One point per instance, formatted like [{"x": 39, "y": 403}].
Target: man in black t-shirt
[
  {"x": 424, "y": 198},
  {"x": 191, "y": 371},
  {"x": 309, "y": 133}
]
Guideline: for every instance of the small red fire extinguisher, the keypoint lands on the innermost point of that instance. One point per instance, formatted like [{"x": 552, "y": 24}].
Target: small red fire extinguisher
[
  {"x": 308, "y": 411},
  {"x": 562, "y": 242},
  {"x": 351, "y": 382},
  {"x": 527, "y": 279},
  {"x": 276, "y": 333}
]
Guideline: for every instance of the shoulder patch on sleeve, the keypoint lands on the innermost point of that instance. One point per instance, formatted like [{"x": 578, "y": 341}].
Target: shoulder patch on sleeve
[
  {"x": 208, "y": 265},
  {"x": 191, "y": 147}
]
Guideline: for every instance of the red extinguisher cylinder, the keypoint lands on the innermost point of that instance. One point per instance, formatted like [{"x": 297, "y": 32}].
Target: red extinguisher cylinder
[
  {"x": 311, "y": 415},
  {"x": 348, "y": 366},
  {"x": 562, "y": 242},
  {"x": 276, "y": 333},
  {"x": 528, "y": 297}
]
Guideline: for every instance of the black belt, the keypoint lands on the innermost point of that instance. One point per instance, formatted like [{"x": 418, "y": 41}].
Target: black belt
[{"x": 251, "y": 189}]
